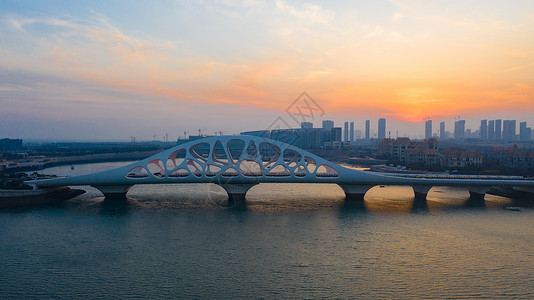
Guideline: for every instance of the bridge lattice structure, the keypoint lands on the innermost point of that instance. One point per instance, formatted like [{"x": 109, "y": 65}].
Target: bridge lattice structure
[{"x": 237, "y": 163}]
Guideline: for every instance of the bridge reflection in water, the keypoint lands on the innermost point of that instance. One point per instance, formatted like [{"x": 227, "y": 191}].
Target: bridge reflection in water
[{"x": 237, "y": 163}]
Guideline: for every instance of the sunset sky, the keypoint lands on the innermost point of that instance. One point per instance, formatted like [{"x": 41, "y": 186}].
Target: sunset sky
[{"x": 114, "y": 69}]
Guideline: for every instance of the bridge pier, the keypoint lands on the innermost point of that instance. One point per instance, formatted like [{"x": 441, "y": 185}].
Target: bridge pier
[
  {"x": 236, "y": 192},
  {"x": 113, "y": 192},
  {"x": 477, "y": 193},
  {"x": 355, "y": 192},
  {"x": 421, "y": 191}
]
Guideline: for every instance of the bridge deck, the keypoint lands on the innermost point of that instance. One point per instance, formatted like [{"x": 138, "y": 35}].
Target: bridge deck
[{"x": 250, "y": 160}]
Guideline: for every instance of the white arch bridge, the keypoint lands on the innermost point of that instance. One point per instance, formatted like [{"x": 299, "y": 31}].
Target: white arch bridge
[{"x": 237, "y": 163}]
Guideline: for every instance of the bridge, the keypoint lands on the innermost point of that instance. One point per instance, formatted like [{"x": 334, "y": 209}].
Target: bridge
[{"x": 237, "y": 163}]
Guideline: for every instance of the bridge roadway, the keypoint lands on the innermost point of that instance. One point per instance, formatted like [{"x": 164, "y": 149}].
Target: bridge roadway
[{"x": 237, "y": 163}]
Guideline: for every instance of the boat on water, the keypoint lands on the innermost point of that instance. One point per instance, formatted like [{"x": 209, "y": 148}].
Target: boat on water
[
  {"x": 14, "y": 198},
  {"x": 512, "y": 208}
]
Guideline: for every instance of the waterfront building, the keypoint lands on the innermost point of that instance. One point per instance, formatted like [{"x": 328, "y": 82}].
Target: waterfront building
[
  {"x": 381, "y": 128},
  {"x": 426, "y": 153},
  {"x": 367, "y": 129},
  {"x": 513, "y": 157},
  {"x": 460, "y": 158}
]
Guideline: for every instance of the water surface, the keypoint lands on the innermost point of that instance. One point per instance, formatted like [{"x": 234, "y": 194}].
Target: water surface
[{"x": 290, "y": 241}]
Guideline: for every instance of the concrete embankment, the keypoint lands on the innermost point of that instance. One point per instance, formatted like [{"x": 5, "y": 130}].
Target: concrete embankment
[{"x": 13, "y": 198}]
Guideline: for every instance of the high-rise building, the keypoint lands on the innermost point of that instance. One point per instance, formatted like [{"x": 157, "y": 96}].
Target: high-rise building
[
  {"x": 9, "y": 145},
  {"x": 328, "y": 124},
  {"x": 491, "y": 130},
  {"x": 498, "y": 129},
  {"x": 367, "y": 129},
  {"x": 306, "y": 125},
  {"x": 459, "y": 130},
  {"x": 381, "y": 128},
  {"x": 524, "y": 132},
  {"x": 351, "y": 132},
  {"x": 336, "y": 134},
  {"x": 508, "y": 130},
  {"x": 428, "y": 129},
  {"x": 346, "y": 132},
  {"x": 484, "y": 130},
  {"x": 357, "y": 134},
  {"x": 442, "y": 133}
]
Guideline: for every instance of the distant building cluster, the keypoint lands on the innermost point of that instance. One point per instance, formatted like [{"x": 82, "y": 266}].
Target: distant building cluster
[
  {"x": 326, "y": 137},
  {"x": 426, "y": 153},
  {"x": 10, "y": 145},
  {"x": 305, "y": 137},
  {"x": 331, "y": 137},
  {"x": 513, "y": 157},
  {"x": 489, "y": 131}
]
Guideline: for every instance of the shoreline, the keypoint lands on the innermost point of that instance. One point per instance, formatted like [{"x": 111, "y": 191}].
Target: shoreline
[{"x": 77, "y": 160}]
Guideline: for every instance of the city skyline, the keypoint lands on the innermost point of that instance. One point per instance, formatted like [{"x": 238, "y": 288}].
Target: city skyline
[
  {"x": 358, "y": 128},
  {"x": 109, "y": 71}
]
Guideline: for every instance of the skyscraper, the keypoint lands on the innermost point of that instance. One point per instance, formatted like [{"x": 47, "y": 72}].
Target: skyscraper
[
  {"x": 491, "y": 130},
  {"x": 381, "y": 128},
  {"x": 346, "y": 132},
  {"x": 442, "y": 133},
  {"x": 351, "y": 132},
  {"x": 498, "y": 130},
  {"x": 484, "y": 130},
  {"x": 508, "y": 130},
  {"x": 367, "y": 129},
  {"x": 328, "y": 124},
  {"x": 336, "y": 134},
  {"x": 459, "y": 130},
  {"x": 428, "y": 129},
  {"x": 524, "y": 132},
  {"x": 306, "y": 125}
]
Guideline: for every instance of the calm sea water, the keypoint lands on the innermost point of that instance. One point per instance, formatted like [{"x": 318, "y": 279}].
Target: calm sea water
[{"x": 291, "y": 241}]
